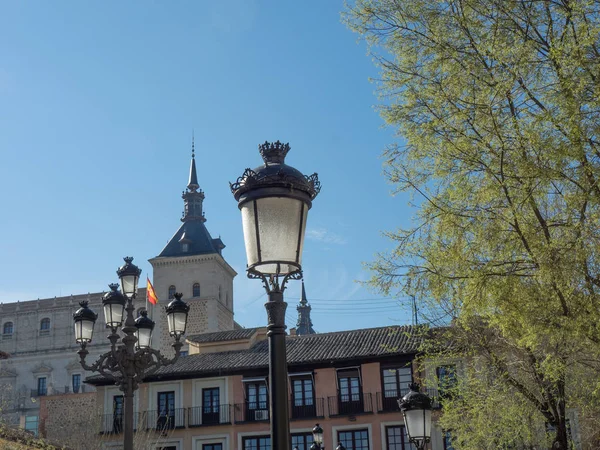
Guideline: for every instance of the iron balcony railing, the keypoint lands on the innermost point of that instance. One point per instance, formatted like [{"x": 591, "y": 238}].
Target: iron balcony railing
[
  {"x": 350, "y": 404},
  {"x": 209, "y": 415},
  {"x": 164, "y": 420},
  {"x": 311, "y": 409},
  {"x": 113, "y": 423},
  {"x": 387, "y": 401},
  {"x": 251, "y": 412},
  {"x": 39, "y": 392}
]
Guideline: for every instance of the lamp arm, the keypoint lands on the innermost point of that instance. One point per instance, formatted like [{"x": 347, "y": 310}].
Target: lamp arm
[
  {"x": 148, "y": 360},
  {"x": 107, "y": 364}
]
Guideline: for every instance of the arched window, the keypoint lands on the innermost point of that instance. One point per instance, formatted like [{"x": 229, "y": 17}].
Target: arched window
[
  {"x": 196, "y": 290},
  {"x": 45, "y": 324},
  {"x": 171, "y": 292},
  {"x": 8, "y": 328}
]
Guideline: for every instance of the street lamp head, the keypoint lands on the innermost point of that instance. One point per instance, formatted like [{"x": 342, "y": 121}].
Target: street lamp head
[
  {"x": 144, "y": 326},
  {"x": 274, "y": 200},
  {"x": 177, "y": 313},
  {"x": 114, "y": 304},
  {"x": 84, "y": 319},
  {"x": 129, "y": 274},
  {"x": 416, "y": 408},
  {"x": 317, "y": 432}
]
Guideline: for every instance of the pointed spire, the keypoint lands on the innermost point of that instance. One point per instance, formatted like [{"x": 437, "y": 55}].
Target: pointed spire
[
  {"x": 304, "y": 324},
  {"x": 193, "y": 183}
]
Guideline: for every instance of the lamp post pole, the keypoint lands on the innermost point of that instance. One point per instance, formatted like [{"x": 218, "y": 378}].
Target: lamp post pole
[
  {"x": 127, "y": 364},
  {"x": 274, "y": 200}
]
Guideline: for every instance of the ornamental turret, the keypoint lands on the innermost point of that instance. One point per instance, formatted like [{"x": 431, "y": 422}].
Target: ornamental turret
[
  {"x": 304, "y": 324},
  {"x": 193, "y": 197}
]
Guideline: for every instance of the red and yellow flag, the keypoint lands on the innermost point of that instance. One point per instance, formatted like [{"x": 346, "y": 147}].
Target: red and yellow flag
[{"x": 150, "y": 294}]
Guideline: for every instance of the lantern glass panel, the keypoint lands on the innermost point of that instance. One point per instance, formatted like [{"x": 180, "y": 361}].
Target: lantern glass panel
[
  {"x": 418, "y": 423},
  {"x": 177, "y": 322},
  {"x": 129, "y": 285},
  {"x": 113, "y": 314},
  {"x": 84, "y": 330},
  {"x": 144, "y": 336},
  {"x": 281, "y": 221},
  {"x": 318, "y": 437}
]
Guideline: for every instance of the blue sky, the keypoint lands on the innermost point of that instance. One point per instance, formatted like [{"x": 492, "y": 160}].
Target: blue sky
[{"x": 97, "y": 105}]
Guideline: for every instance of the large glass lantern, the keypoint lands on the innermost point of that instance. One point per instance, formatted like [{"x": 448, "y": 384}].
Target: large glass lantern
[
  {"x": 84, "y": 319},
  {"x": 129, "y": 274},
  {"x": 416, "y": 408},
  {"x": 177, "y": 313},
  {"x": 274, "y": 200},
  {"x": 317, "y": 433},
  {"x": 144, "y": 326},
  {"x": 114, "y": 305}
]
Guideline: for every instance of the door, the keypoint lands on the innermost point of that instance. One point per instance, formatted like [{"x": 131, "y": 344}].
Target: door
[
  {"x": 303, "y": 402},
  {"x": 166, "y": 410},
  {"x": 210, "y": 406},
  {"x": 350, "y": 398},
  {"x": 117, "y": 423}
]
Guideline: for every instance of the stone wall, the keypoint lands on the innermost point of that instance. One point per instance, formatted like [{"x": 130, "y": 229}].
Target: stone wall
[{"x": 72, "y": 420}]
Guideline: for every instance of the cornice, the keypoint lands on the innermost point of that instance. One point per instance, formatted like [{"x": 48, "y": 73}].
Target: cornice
[{"x": 165, "y": 261}]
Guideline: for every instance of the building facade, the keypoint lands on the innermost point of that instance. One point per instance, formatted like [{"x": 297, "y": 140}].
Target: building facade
[{"x": 216, "y": 398}]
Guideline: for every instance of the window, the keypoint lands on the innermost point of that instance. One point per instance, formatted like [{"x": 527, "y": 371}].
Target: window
[
  {"x": 256, "y": 443},
  {"x": 184, "y": 353},
  {"x": 117, "y": 414},
  {"x": 76, "y": 382},
  {"x": 350, "y": 395},
  {"x": 185, "y": 247},
  {"x": 8, "y": 329},
  {"x": 41, "y": 386},
  {"x": 212, "y": 446},
  {"x": 396, "y": 439},
  {"x": 166, "y": 410},
  {"x": 31, "y": 424},
  {"x": 302, "y": 441},
  {"x": 210, "y": 405},
  {"x": 196, "y": 290},
  {"x": 446, "y": 379},
  {"x": 45, "y": 325},
  {"x": 257, "y": 401},
  {"x": 303, "y": 402},
  {"x": 395, "y": 385},
  {"x": 172, "y": 291},
  {"x": 447, "y": 441},
  {"x": 354, "y": 439}
]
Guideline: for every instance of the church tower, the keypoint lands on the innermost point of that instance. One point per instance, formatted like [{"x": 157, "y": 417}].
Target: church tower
[
  {"x": 304, "y": 324},
  {"x": 192, "y": 263}
]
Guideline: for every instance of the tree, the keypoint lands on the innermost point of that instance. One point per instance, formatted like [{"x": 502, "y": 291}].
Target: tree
[{"x": 498, "y": 104}]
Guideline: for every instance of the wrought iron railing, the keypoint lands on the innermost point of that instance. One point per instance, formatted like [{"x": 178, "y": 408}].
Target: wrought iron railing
[
  {"x": 350, "y": 404},
  {"x": 387, "y": 401},
  {"x": 311, "y": 409},
  {"x": 164, "y": 420},
  {"x": 209, "y": 415},
  {"x": 251, "y": 412},
  {"x": 113, "y": 423}
]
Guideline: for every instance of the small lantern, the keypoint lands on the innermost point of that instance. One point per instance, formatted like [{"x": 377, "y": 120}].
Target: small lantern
[
  {"x": 129, "y": 274},
  {"x": 114, "y": 304},
  {"x": 144, "y": 326},
  {"x": 416, "y": 408},
  {"x": 177, "y": 312},
  {"x": 317, "y": 433},
  {"x": 274, "y": 200},
  {"x": 84, "y": 319}
]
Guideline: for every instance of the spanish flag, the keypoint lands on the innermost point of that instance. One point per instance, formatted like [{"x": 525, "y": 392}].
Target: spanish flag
[{"x": 150, "y": 294}]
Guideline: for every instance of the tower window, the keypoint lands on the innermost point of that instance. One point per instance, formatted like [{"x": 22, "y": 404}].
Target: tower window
[
  {"x": 196, "y": 290},
  {"x": 45, "y": 324},
  {"x": 171, "y": 292},
  {"x": 8, "y": 328},
  {"x": 185, "y": 247}
]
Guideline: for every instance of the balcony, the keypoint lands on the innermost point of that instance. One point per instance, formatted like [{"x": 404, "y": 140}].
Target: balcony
[
  {"x": 39, "y": 392},
  {"x": 314, "y": 411},
  {"x": 164, "y": 420},
  {"x": 251, "y": 412},
  {"x": 113, "y": 423},
  {"x": 350, "y": 404},
  {"x": 209, "y": 415},
  {"x": 387, "y": 401}
]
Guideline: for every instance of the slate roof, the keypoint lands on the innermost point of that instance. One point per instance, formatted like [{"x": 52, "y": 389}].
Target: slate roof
[
  {"x": 314, "y": 349},
  {"x": 199, "y": 240},
  {"x": 223, "y": 336}
]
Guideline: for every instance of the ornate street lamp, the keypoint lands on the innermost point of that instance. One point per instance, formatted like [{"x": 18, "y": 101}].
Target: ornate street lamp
[
  {"x": 416, "y": 409},
  {"x": 133, "y": 359},
  {"x": 177, "y": 313},
  {"x": 84, "y": 319},
  {"x": 317, "y": 433},
  {"x": 274, "y": 200}
]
